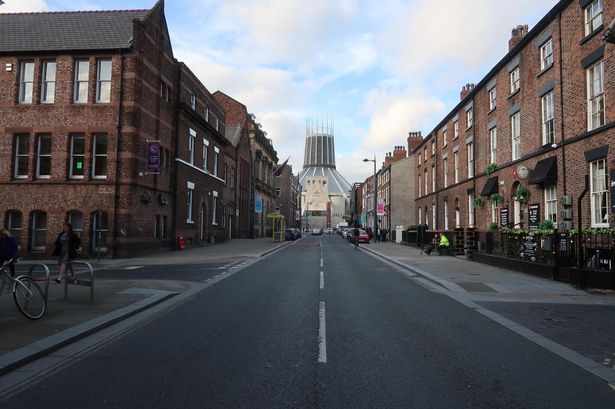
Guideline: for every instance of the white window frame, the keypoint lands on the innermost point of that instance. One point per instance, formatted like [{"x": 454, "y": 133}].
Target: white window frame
[
  {"x": 102, "y": 156},
  {"x": 217, "y": 123},
  {"x": 43, "y": 158},
  {"x": 214, "y": 207},
  {"x": 548, "y": 121},
  {"x": 205, "y": 154},
  {"x": 76, "y": 156},
  {"x": 445, "y": 169},
  {"x": 470, "y": 153},
  {"x": 457, "y": 165},
  {"x": 420, "y": 215},
  {"x": 515, "y": 133},
  {"x": 206, "y": 114},
  {"x": 48, "y": 82},
  {"x": 455, "y": 129},
  {"x": 82, "y": 81},
  {"x": 22, "y": 157},
  {"x": 426, "y": 180},
  {"x": 469, "y": 118},
  {"x": 493, "y": 144},
  {"x": 26, "y": 82},
  {"x": 39, "y": 230},
  {"x": 593, "y": 16},
  {"x": 191, "y": 143},
  {"x": 515, "y": 80},
  {"x": 546, "y": 54},
  {"x": 193, "y": 101},
  {"x": 492, "y": 99},
  {"x": 103, "y": 81},
  {"x": 433, "y": 216},
  {"x": 433, "y": 147},
  {"x": 420, "y": 186},
  {"x": 494, "y": 213},
  {"x": 100, "y": 230},
  {"x": 216, "y": 157},
  {"x": 550, "y": 194},
  {"x": 470, "y": 209},
  {"x": 444, "y": 138},
  {"x": 446, "y": 215},
  {"x": 433, "y": 178},
  {"x": 599, "y": 176},
  {"x": 14, "y": 220},
  {"x": 189, "y": 202},
  {"x": 595, "y": 96}
]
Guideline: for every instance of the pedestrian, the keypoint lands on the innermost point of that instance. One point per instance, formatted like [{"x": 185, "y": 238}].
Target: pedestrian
[
  {"x": 443, "y": 244},
  {"x": 66, "y": 246},
  {"x": 8, "y": 249},
  {"x": 384, "y": 234},
  {"x": 378, "y": 234},
  {"x": 430, "y": 247}
]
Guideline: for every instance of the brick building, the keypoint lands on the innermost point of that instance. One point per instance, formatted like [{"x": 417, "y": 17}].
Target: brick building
[
  {"x": 239, "y": 158},
  {"x": 530, "y": 133},
  {"x": 79, "y": 99},
  {"x": 201, "y": 178}
]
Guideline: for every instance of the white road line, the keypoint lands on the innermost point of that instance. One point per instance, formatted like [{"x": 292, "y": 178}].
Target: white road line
[
  {"x": 322, "y": 335},
  {"x": 322, "y": 280},
  {"x": 133, "y": 267},
  {"x": 321, "y": 263}
]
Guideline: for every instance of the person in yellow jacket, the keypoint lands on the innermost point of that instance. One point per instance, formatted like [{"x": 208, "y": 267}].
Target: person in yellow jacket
[{"x": 443, "y": 245}]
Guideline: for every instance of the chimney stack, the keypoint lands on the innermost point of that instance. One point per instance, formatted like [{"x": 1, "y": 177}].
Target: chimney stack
[
  {"x": 466, "y": 90},
  {"x": 517, "y": 35},
  {"x": 399, "y": 153},
  {"x": 414, "y": 140}
]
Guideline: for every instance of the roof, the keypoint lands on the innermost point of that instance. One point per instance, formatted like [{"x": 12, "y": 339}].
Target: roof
[
  {"x": 337, "y": 184},
  {"x": 68, "y": 31}
]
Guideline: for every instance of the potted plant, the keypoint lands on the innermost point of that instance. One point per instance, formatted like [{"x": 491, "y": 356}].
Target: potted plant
[
  {"x": 495, "y": 199},
  {"x": 478, "y": 202},
  {"x": 491, "y": 168},
  {"x": 493, "y": 226},
  {"x": 522, "y": 194}
]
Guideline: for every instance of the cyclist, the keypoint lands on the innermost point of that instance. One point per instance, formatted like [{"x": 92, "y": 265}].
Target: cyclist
[
  {"x": 355, "y": 236},
  {"x": 8, "y": 249}
]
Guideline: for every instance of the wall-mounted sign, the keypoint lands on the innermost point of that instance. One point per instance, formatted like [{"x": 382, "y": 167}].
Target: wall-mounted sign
[
  {"x": 504, "y": 217},
  {"x": 258, "y": 204},
  {"x": 534, "y": 215},
  {"x": 153, "y": 156},
  {"x": 380, "y": 207}
]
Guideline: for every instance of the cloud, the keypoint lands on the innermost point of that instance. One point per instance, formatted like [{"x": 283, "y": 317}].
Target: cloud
[{"x": 22, "y": 6}]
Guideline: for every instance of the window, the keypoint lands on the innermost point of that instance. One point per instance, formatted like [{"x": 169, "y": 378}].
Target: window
[
  {"x": 75, "y": 218},
  {"x": 492, "y": 96},
  {"x": 205, "y": 153},
  {"x": 445, "y": 169},
  {"x": 103, "y": 81},
  {"x": 214, "y": 207},
  {"x": 100, "y": 231},
  {"x": 455, "y": 129},
  {"x": 420, "y": 186},
  {"x": 77, "y": 156},
  {"x": 43, "y": 157},
  {"x": 599, "y": 194},
  {"x": 419, "y": 158},
  {"x": 515, "y": 129},
  {"x": 48, "y": 83},
  {"x": 189, "y": 203},
  {"x": 99, "y": 156},
  {"x": 551, "y": 203},
  {"x": 444, "y": 138},
  {"x": 547, "y": 119},
  {"x": 39, "y": 230},
  {"x": 420, "y": 214},
  {"x": 425, "y": 154},
  {"x": 493, "y": 144},
  {"x": 193, "y": 101},
  {"x": 206, "y": 114},
  {"x": 26, "y": 82},
  {"x": 494, "y": 213},
  {"x": 22, "y": 148},
  {"x": 433, "y": 147},
  {"x": 515, "y": 80},
  {"x": 425, "y": 179},
  {"x": 216, "y": 156},
  {"x": 13, "y": 224},
  {"x": 595, "y": 96},
  {"x": 593, "y": 17},
  {"x": 546, "y": 54},
  {"x": 191, "y": 143},
  {"x": 457, "y": 166},
  {"x": 433, "y": 216},
  {"x": 82, "y": 76},
  {"x": 433, "y": 178},
  {"x": 470, "y": 152},
  {"x": 217, "y": 122},
  {"x": 470, "y": 209},
  {"x": 446, "y": 215},
  {"x": 469, "y": 117}
]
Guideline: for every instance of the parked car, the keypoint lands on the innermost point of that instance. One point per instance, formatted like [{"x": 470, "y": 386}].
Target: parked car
[
  {"x": 344, "y": 233},
  {"x": 316, "y": 230},
  {"x": 290, "y": 235},
  {"x": 363, "y": 236},
  {"x": 298, "y": 233},
  {"x": 328, "y": 230}
]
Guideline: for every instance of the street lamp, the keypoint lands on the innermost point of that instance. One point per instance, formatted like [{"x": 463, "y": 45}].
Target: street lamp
[{"x": 375, "y": 196}]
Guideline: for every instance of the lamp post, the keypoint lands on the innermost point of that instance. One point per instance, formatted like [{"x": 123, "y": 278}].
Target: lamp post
[{"x": 375, "y": 193}]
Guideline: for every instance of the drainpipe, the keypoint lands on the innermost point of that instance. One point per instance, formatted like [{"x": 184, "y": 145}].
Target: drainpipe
[
  {"x": 116, "y": 201},
  {"x": 561, "y": 105},
  {"x": 579, "y": 238}
]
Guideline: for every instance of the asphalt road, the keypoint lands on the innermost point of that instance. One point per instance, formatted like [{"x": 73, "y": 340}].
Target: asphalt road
[{"x": 278, "y": 334}]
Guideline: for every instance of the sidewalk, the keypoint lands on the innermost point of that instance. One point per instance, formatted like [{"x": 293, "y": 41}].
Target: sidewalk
[{"x": 68, "y": 320}]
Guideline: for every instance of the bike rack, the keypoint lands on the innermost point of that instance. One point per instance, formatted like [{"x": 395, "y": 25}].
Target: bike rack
[
  {"x": 46, "y": 269},
  {"x": 83, "y": 283}
]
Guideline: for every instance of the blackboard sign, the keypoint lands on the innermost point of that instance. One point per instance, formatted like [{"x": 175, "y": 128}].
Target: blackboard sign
[
  {"x": 504, "y": 217},
  {"x": 529, "y": 248},
  {"x": 612, "y": 190},
  {"x": 534, "y": 215},
  {"x": 563, "y": 242}
]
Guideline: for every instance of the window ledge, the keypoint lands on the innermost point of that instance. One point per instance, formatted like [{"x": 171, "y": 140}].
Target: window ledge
[
  {"x": 491, "y": 111},
  {"x": 591, "y": 35},
  {"x": 544, "y": 70},
  {"x": 514, "y": 93}
]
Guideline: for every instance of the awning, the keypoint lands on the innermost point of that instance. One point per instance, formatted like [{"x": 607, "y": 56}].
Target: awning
[
  {"x": 544, "y": 172},
  {"x": 491, "y": 186}
]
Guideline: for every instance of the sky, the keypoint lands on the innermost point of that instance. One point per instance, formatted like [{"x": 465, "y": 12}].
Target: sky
[{"x": 377, "y": 70}]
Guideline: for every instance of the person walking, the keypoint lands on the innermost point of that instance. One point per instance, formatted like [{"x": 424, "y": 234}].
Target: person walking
[
  {"x": 8, "y": 249},
  {"x": 66, "y": 246},
  {"x": 443, "y": 245}
]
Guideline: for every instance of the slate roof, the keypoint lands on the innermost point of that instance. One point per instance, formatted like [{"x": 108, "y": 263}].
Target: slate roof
[{"x": 67, "y": 31}]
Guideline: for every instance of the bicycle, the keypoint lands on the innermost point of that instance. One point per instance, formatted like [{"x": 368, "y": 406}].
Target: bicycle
[{"x": 27, "y": 294}]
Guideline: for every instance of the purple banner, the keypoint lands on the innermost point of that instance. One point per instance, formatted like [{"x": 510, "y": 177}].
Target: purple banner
[{"x": 153, "y": 157}]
